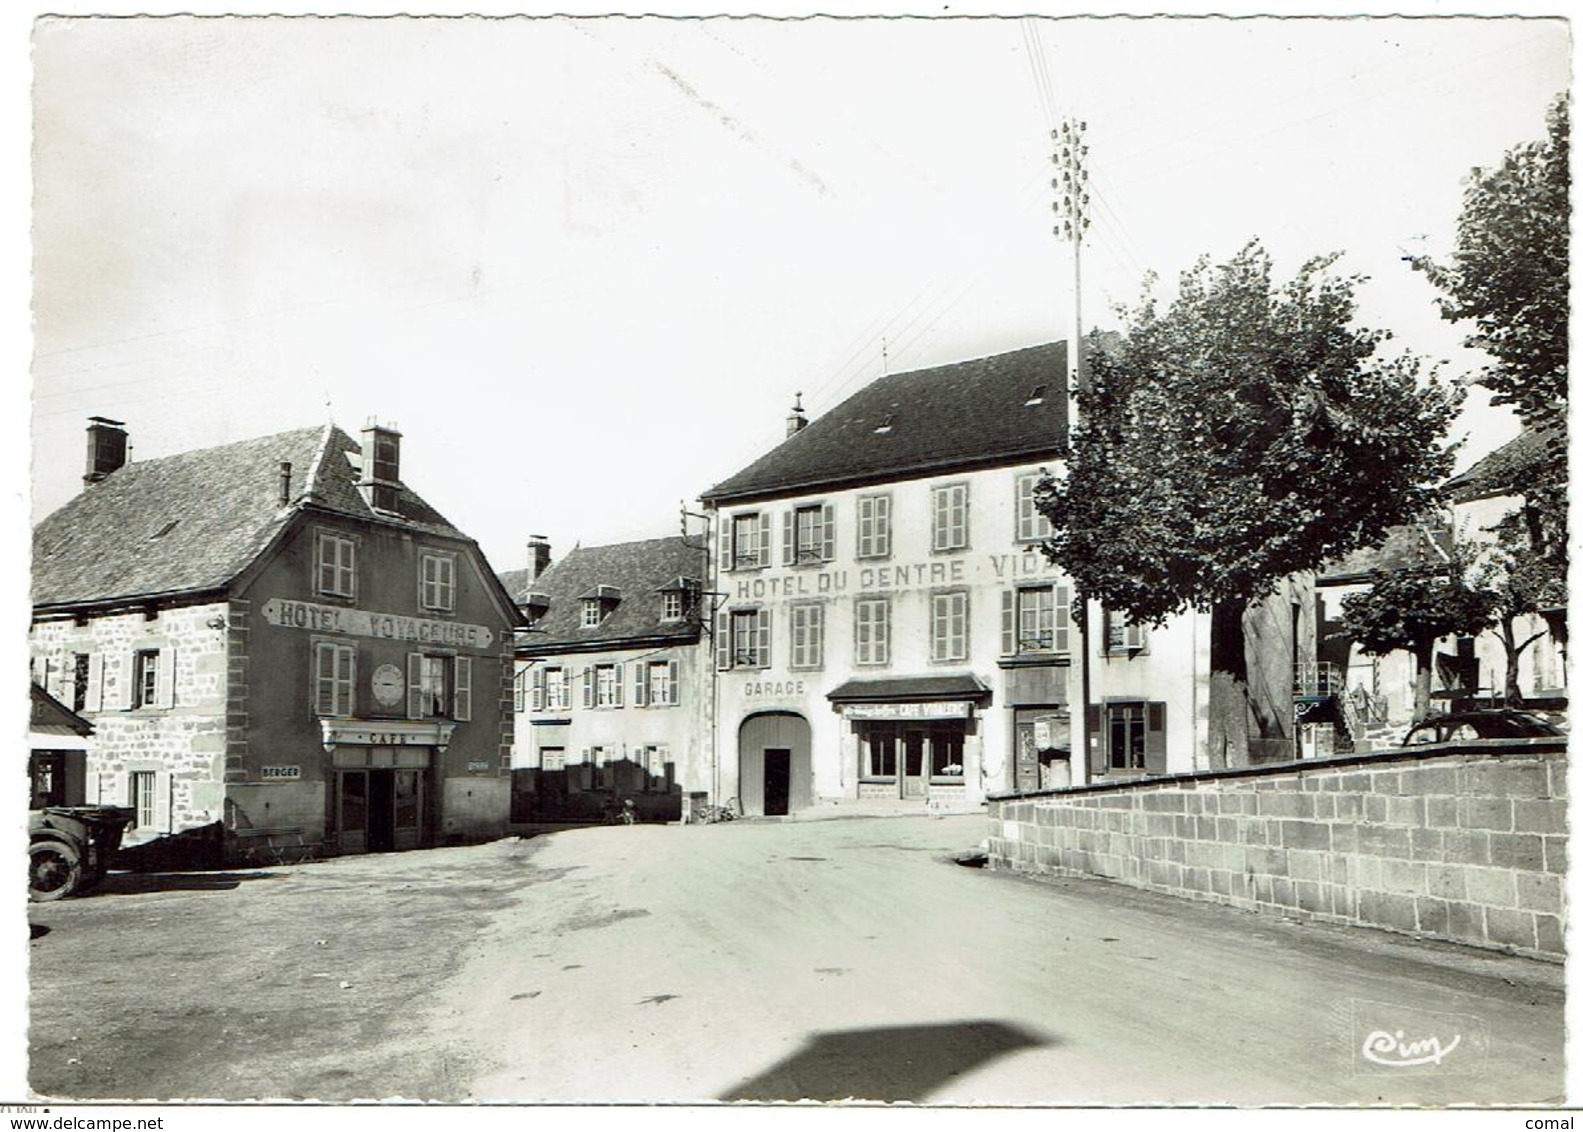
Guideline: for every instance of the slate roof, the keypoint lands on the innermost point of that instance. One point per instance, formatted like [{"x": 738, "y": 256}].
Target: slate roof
[
  {"x": 953, "y": 417},
  {"x": 191, "y": 523},
  {"x": 1404, "y": 547},
  {"x": 48, "y": 716},
  {"x": 1503, "y": 471},
  {"x": 638, "y": 569}
]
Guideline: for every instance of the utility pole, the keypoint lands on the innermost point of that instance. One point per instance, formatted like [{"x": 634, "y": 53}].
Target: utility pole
[{"x": 1072, "y": 219}]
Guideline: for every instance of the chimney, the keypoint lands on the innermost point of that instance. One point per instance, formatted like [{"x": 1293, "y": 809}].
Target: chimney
[
  {"x": 796, "y": 422},
  {"x": 538, "y": 556},
  {"x": 381, "y": 480},
  {"x": 106, "y": 448},
  {"x": 285, "y": 482}
]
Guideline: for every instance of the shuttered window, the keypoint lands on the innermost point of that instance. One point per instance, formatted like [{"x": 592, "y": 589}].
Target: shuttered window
[
  {"x": 747, "y": 541},
  {"x": 948, "y": 626},
  {"x": 1132, "y": 738},
  {"x": 336, "y": 573},
  {"x": 746, "y": 641},
  {"x": 1031, "y": 525},
  {"x": 949, "y": 510},
  {"x": 1122, "y": 639},
  {"x": 439, "y": 687},
  {"x": 437, "y": 582},
  {"x": 334, "y": 678},
  {"x": 1035, "y": 619},
  {"x": 808, "y": 536},
  {"x": 873, "y": 526},
  {"x": 807, "y": 636},
  {"x": 871, "y": 630}
]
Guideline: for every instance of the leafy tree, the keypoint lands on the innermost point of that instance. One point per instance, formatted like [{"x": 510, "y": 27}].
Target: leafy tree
[
  {"x": 1522, "y": 584},
  {"x": 1510, "y": 274},
  {"x": 1411, "y": 609},
  {"x": 1241, "y": 435}
]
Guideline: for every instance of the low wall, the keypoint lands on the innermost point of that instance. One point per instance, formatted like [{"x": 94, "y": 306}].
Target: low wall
[{"x": 1461, "y": 844}]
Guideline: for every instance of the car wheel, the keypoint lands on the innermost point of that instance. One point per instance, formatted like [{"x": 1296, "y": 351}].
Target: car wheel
[{"x": 54, "y": 868}]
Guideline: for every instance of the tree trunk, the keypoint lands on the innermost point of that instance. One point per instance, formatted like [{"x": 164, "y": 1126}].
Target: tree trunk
[
  {"x": 1228, "y": 688},
  {"x": 1423, "y": 661}
]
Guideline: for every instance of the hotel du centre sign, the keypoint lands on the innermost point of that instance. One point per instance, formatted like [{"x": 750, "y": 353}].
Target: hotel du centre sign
[
  {"x": 318, "y": 618},
  {"x": 793, "y": 582}
]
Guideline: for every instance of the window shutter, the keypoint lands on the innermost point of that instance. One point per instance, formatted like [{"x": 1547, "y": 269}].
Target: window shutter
[
  {"x": 165, "y": 679},
  {"x": 322, "y": 683},
  {"x": 1008, "y": 622},
  {"x": 723, "y": 641},
  {"x": 882, "y": 526},
  {"x": 463, "y": 705},
  {"x": 541, "y": 678},
  {"x": 1063, "y": 619},
  {"x": 1094, "y": 736},
  {"x": 788, "y": 538},
  {"x": 128, "y": 678},
  {"x": 827, "y": 532},
  {"x": 764, "y": 557},
  {"x": 725, "y": 543},
  {"x": 675, "y": 683},
  {"x": 414, "y": 685},
  {"x": 762, "y": 653},
  {"x": 95, "y": 696},
  {"x": 588, "y": 686},
  {"x": 640, "y": 685},
  {"x": 163, "y": 784},
  {"x": 618, "y": 681},
  {"x": 1154, "y": 739}
]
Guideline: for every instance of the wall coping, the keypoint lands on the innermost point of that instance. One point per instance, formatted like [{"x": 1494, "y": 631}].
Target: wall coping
[{"x": 1487, "y": 748}]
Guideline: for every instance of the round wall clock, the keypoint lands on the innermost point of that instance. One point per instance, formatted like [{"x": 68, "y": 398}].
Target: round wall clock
[{"x": 387, "y": 684}]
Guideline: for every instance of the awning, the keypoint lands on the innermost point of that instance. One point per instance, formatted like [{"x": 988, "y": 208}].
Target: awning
[{"x": 910, "y": 689}]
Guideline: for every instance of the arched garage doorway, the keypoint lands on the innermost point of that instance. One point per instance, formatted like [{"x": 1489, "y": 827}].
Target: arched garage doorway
[{"x": 776, "y": 763}]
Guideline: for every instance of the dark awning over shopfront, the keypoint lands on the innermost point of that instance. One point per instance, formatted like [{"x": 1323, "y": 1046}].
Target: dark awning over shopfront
[{"x": 911, "y": 689}]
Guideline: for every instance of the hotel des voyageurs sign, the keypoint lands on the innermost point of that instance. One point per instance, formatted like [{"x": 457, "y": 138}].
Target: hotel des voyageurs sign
[{"x": 291, "y": 614}]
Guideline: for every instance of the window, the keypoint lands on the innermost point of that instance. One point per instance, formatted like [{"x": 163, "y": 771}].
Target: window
[
  {"x": 873, "y": 526},
  {"x": 48, "y": 770},
  {"x": 79, "y": 681},
  {"x": 948, "y": 626},
  {"x": 550, "y": 690},
  {"x": 141, "y": 797},
  {"x": 747, "y": 541},
  {"x": 592, "y": 613},
  {"x": 337, "y": 558},
  {"x": 145, "y": 678},
  {"x": 1133, "y": 737},
  {"x": 950, "y": 517},
  {"x": 1031, "y": 525},
  {"x": 879, "y": 751},
  {"x": 809, "y": 535},
  {"x": 606, "y": 686},
  {"x": 439, "y": 686},
  {"x": 655, "y": 761},
  {"x": 945, "y": 752},
  {"x": 334, "y": 677},
  {"x": 671, "y": 605},
  {"x": 656, "y": 684},
  {"x": 437, "y": 582},
  {"x": 871, "y": 617},
  {"x": 1122, "y": 639},
  {"x": 807, "y": 636},
  {"x": 552, "y": 758},
  {"x": 1035, "y": 619},
  {"x": 743, "y": 639}
]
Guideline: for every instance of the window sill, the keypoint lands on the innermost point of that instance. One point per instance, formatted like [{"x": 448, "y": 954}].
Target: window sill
[{"x": 1037, "y": 660}]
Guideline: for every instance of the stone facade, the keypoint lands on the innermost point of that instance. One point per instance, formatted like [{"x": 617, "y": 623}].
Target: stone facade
[{"x": 1462, "y": 845}]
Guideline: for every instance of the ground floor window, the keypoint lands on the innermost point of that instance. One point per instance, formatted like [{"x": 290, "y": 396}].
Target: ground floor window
[
  {"x": 912, "y": 756},
  {"x": 49, "y": 779},
  {"x": 1133, "y": 737},
  {"x": 140, "y": 796}
]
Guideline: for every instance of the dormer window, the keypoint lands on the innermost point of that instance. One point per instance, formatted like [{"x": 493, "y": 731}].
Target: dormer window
[
  {"x": 592, "y": 614},
  {"x": 597, "y": 604},
  {"x": 885, "y": 426},
  {"x": 1036, "y": 397},
  {"x": 671, "y": 605},
  {"x": 676, "y": 598},
  {"x": 534, "y": 606}
]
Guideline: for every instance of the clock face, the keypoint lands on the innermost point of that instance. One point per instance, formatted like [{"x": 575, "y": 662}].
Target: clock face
[{"x": 387, "y": 684}]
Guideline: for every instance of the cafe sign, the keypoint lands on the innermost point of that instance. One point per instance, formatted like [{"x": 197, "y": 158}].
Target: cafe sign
[
  {"x": 945, "y": 709},
  {"x": 319, "y": 618}
]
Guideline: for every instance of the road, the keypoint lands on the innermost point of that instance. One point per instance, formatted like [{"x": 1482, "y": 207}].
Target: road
[{"x": 769, "y": 961}]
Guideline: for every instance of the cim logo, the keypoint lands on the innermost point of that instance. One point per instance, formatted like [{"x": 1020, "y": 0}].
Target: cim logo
[{"x": 1394, "y": 1049}]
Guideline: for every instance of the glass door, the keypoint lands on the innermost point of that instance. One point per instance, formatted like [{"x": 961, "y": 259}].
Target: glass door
[{"x": 915, "y": 763}]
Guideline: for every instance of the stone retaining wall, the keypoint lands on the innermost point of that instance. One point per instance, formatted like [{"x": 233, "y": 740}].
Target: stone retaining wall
[{"x": 1461, "y": 844}]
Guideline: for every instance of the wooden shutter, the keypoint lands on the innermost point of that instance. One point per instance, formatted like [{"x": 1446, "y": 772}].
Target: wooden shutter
[
  {"x": 827, "y": 532},
  {"x": 764, "y": 558},
  {"x": 1063, "y": 619},
  {"x": 617, "y": 681},
  {"x": 164, "y": 784},
  {"x": 725, "y": 542},
  {"x": 165, "y": 679},
  {"x": 788, "y": 538},
  {"x": 462, "y": 697},
  {"x": 675, "y": 683},
  {"x": 95, "y": 695},
  {"x": 1154, "y": 739},
  {"x": 722, "y": 641},
  {"x": 414, "y": 685},
  {"x": 1094, "y": 736},
  {"x": 640, "y": 685},
  {"x": 588, "y": 686},
  {"x": 762, "y": 653},
  {"x": 126, "y": 679},
  {"x": 1008, "y": 622}
]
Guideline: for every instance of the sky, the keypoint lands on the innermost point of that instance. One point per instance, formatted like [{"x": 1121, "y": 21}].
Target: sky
[{"x": 586, "y": 265}]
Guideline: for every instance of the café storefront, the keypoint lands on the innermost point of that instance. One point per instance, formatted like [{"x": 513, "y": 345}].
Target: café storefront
[{"x": 912, "y": 740}]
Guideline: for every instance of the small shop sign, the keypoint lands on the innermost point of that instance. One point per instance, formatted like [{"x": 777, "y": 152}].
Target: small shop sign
[
  {"x": 280, "y": 773},
  {"x": 945, "y": 709}
]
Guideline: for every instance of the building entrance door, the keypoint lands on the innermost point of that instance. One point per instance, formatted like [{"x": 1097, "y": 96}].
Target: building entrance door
[
  {"x": 914, "y": 773},
  {"x": 777, "y": 780},
  {"x": 379, "y": 810}
]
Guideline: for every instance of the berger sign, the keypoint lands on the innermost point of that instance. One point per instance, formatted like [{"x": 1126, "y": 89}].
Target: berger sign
[
  {"x": 280, "y": 773},
  {"x": 948, "y": 709},
  {"x": 367, "y": 623}
]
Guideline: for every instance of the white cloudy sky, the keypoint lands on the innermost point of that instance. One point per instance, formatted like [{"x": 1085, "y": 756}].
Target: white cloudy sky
[{"x": 585, "y": 265}]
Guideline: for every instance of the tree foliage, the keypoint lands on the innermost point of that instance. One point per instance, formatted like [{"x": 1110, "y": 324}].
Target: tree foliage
[
  {"x": 1244, "y": 433},
  {"x": 1509, "y": 274},
  {"x": 1523, "y": 583}
]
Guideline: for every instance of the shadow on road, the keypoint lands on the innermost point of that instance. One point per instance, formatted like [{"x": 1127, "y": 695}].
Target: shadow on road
[
  {"x": 128, "y": 884},
  {"x": 889, "y": 1063}
]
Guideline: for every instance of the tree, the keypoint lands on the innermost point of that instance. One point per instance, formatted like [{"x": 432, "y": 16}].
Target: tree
[
  {"x": 1411, "y": 609},
  {"x": 1244, "y": 434},
  {"x": 1523, "y": 584}
]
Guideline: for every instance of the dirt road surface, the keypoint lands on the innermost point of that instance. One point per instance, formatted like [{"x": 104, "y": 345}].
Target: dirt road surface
[{"x": 757, "y": 962}]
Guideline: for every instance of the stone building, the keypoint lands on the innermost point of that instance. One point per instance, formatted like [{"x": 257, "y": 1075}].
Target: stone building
[
  {"x": 281, "y": 636},
  {"x": 890, "y": 634},
  {"x": 611, "y": 689}
]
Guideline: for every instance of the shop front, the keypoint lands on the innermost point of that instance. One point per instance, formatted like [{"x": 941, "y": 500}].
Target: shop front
[
  {"x": 914, "y": 741},
  {"x": 382, "y": 784}
]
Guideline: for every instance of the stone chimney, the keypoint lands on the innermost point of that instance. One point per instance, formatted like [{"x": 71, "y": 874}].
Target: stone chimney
[
  {"x": 796, "y": 422},
  {"x": 381, "y": 482},
  {"x": 538, "y": 556},
  {"x": 285, "y": 482},
  {"x": 106, "y": 448}
]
